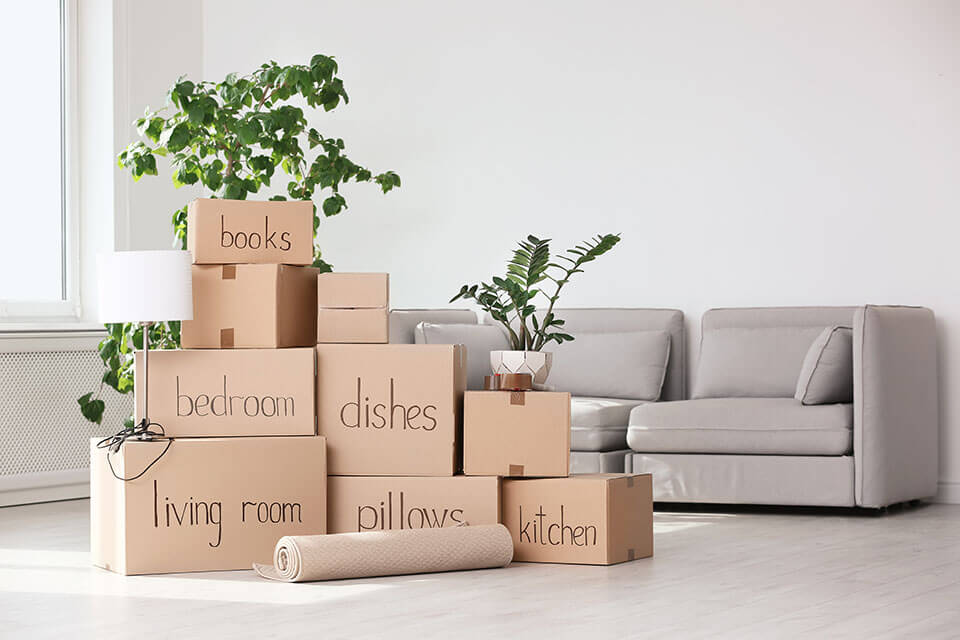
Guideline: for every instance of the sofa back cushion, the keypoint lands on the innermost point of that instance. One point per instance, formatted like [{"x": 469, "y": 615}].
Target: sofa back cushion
[
  {"x": 609, "y": 320},
  {"x": 758, "y": 352},
  {"x": 404, "y": 321},
  {"x": 630, "y": 365},
  {"x": 479, "y": 339}
]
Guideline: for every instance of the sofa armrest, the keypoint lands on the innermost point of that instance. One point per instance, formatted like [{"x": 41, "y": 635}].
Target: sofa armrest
[{"x": 896, "y": 411}]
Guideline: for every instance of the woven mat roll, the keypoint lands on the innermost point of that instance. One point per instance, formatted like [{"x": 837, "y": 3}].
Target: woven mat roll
[{"x": 389, "y": 553}]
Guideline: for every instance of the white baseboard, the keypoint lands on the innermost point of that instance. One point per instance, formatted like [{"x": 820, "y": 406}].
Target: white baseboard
[
  {"x": 28, "y": 488},
  {"x": 948, "y": 493}
]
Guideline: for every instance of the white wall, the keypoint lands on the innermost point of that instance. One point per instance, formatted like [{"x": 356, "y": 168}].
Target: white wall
[
  {"x": 750, "y": 153},
  {"x": 154, "y": 46}
]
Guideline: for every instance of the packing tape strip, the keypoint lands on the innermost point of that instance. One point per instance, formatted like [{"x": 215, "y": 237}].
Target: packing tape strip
[
  {"x": 226, "y": 338},
  {"x": 508, "y": 382},
  {"x": 515, "y": 470},
  {"x": 228, "y": 272}
]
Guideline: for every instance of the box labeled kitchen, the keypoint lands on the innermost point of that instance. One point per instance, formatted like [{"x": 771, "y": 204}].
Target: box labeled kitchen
[
  {"x": 206, "y": 504},
  {"x": 228, "y": 392},
  {"x": 390, "y": 409},
  {"x": 249, "y": 231},
  {"x": 385, "y": 503},
  {"x": 251, "y": 306},
  {"x": 516, "y": 433},
  {"x": 583, "y": 519}
]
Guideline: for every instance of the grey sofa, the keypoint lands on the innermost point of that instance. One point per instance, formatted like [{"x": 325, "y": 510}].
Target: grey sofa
[
  {"x": 743, "y": 438},
  {"x": 598, "y": 437}
]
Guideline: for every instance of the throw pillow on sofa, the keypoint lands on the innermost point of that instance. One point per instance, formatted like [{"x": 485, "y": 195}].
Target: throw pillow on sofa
[
  {"x": 827, "y": 373},
  {"x": 630, "y": 365},
  {"x": 480, "y": 340}
]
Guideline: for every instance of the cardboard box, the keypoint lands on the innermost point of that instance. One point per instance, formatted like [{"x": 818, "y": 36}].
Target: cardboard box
[
  {"x": 250, "y": 231},
  {"x": 390, "y": 409},
  {"x": 585, "y": 519},
  {"x": 353, "y": 326},
  {"x": 251, "y": 306},
  {"x": 516, "y": 433},
  {"x": 353, "y": 290},
  {"x": 208, "y": 504},
  {"x": 381, "y": 503},
  {"x": 229, "y": 392}
]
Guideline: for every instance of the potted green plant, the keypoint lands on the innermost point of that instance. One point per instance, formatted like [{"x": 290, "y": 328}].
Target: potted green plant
[
  {"x": 235, "y": 137},
  {"x": 511, "y": 301}
]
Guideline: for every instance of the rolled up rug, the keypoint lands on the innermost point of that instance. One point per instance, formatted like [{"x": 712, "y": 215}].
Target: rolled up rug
[{"x": 388, "y": 553}]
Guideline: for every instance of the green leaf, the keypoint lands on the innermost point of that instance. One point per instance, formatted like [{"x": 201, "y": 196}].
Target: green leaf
[{"x": 92, "y": 410}]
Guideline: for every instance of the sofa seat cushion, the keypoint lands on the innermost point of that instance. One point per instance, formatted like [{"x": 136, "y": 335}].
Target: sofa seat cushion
[
  {"x": 599, "y": 424},
  {"x": 770, "y": 426}
]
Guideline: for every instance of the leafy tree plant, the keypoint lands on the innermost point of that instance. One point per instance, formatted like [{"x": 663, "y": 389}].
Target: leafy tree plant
[
  {"x": 510, "y": 300},
  {"x": 230, "y": 137}
]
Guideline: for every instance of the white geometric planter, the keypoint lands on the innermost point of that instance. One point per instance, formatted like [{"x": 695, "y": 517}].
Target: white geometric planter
[{"x": 536, "y": 363}]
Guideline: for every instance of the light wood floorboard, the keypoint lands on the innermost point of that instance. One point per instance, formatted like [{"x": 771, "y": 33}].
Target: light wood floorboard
[{"x": 739, "y": 574}]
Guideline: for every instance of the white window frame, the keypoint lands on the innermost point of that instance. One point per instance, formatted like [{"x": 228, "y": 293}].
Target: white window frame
[{"x": 18, "y": 315}]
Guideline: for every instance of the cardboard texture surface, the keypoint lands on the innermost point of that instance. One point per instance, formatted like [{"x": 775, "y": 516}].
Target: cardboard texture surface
[
  {"x": 208, "y": 504},
  {"x": 391, "y": 409},
  {"x": 353, "y": 290},
  {"x": 353, "y": 326},
  {"x": 381, "y": 503},
  {"x": 251, "y": 306},
  {"x": 583, "y": 519},
  {"x": 249, "y": 231},
  {"x": 516, "y": 433},
  {"x": 229, "y": 392}
]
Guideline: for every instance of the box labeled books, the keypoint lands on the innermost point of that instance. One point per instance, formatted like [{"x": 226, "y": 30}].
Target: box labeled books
[
  {"x": 583, "y": 519},
  {"x": 251, "y": 306},
  {"x": 228, "y": 392},
  {"x": 250, "y": 231},
  {"x": 516, "y": 433},
  {"x": 203, "y": 504},
  {"x": 390, "y": 409},
  {"x": 386, "y": 503}
]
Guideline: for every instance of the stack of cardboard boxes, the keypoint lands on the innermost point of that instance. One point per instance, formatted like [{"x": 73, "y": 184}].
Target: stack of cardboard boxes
[
  {"x": 246, "y": 465},
  {"x": 261, "y": 416},
  {"x": 391, "y": 415}
]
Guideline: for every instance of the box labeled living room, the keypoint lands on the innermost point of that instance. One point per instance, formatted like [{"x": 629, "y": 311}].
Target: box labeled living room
[{"x": 203, "y": 504}]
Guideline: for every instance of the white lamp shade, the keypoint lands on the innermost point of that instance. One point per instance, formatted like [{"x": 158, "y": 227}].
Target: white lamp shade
[{"x": 145, "y": 286}]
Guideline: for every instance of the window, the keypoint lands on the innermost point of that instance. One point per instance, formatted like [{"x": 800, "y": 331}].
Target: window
[{"x": 37, "y": 271}]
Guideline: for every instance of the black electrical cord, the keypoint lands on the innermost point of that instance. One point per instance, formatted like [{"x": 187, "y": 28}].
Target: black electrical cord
[{"x": 141, "y": 431}]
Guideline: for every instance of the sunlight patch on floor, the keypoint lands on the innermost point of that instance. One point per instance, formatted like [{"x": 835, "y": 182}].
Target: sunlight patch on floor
[{"x": 69, "y": 572}]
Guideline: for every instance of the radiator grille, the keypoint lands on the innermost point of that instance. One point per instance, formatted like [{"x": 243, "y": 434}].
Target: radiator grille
[{"x": 41, "y": 428}]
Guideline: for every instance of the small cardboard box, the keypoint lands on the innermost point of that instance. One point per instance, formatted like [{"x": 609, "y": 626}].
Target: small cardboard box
[
  {"x": 381, "y": 503},
  {"x": 251, "y": 306},
  {"x": 207, "y": 504},
  {"x": 250, "y": 231},
  {"x": 516, "y": 433},
  {"x": 353, "y": 290},
  {"x": 390, "y": 409},
  {"x": 229, "y": 392},
  {"x": 353, "y": 326},
  {"x": 584, "y": 519}
]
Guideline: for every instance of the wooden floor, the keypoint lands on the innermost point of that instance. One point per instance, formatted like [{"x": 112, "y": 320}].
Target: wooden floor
[{"x": 744, "y": 574}]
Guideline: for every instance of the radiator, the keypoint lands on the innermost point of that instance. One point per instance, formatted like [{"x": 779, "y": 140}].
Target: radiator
[{"x": 44, "y": 441}]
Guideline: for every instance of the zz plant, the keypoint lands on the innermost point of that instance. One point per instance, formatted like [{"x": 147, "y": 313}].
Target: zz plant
[
  {"x": 231, "y": 137},
  {"x": 510, "y": 300}
]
